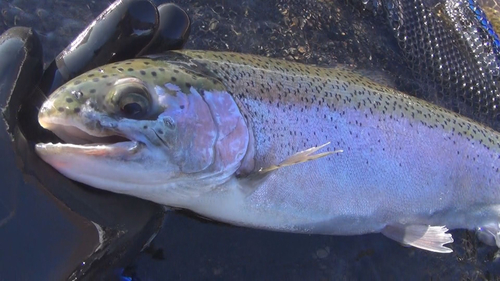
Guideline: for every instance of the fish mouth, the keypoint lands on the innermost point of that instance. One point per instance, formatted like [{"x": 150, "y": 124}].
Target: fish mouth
[{"x": 77, "y": 139}]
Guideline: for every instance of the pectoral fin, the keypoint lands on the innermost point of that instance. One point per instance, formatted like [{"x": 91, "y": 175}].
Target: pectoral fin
[
  {"x": 300, "y": 157},
  {"x": 426, "y": 237}
]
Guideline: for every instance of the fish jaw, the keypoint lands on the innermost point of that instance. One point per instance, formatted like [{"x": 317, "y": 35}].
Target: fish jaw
[
  {"x": 103, "y": 154},
  {"x": 96, "y": 164},
  {"x": 129, "y": 168}
]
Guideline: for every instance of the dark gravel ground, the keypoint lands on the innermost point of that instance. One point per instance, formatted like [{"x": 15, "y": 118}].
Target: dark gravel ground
[{"x": 315, "y": 32}]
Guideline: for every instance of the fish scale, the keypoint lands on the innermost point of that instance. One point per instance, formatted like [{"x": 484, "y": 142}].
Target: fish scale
[{"x": 246, "y": 130}]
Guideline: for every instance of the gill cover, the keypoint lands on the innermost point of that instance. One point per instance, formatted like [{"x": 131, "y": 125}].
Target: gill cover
[{"x": 207, "y": 123}]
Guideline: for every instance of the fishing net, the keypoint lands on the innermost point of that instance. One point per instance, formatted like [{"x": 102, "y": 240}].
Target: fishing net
[{"x": 453, "y": 49}]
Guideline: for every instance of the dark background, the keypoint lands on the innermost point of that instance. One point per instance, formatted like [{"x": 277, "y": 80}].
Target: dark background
[{"x": 316, "y": 32}]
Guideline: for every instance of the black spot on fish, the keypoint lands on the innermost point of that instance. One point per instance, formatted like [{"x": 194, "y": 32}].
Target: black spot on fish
[
  {"x": 153, "y": 73},
  {"x": 188, "y": 85},
  {"x": 173, "y": 78},
  {"x": 95, "y": 79},
  {"x": 60, "y": 109},
  {"x": 92, "y": 91},
  {"x": 105, "y": 76},
  {"x": 162, "y": 69},
  {"x": 120, "y": 69},
  {"x": 130, "y": 69},
  {"x": 92, "y": 74},
  {"x": 145, "y": 127},
  {"x": 182, "y": 106},
  {"x": 76, "y": 110},
  {"x": 69, "y": 100},
  {"x": 77, "y": 82},
  {"x": 160, "y": 131},
  {"x": 142, "y": 72},
  {"x": 176, "y": 71},
  {"x": 146, "y": 63}
]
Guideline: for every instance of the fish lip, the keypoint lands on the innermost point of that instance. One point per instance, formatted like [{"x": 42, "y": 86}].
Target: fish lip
[
  {"x": 96, "y": 149},
  {"x": 51, "y": 123},
  {"x": 102, "y": 142}
]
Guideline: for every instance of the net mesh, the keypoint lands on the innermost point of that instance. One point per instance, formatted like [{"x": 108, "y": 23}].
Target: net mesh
[{"x": 453, "y": 49}]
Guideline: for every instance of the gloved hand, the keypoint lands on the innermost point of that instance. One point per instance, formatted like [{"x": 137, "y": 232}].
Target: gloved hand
[{"x": 126, "y": 29}]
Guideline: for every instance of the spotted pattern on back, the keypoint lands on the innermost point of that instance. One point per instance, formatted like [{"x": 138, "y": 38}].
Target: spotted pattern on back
[{"x": 281, "y": 82}]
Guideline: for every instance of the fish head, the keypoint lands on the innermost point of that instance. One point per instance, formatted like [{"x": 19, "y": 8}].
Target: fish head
[{"x": 147, "y": 128}]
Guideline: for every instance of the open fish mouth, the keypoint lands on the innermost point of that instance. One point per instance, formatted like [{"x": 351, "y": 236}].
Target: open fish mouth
[{"x": 76, "y": 139}]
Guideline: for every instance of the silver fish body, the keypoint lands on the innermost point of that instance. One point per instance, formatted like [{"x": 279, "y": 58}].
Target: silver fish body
[{"x": 211, "y": 124}]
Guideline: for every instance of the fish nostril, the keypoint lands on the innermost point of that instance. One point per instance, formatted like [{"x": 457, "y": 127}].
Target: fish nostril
[{"x": 77, "y": 94}]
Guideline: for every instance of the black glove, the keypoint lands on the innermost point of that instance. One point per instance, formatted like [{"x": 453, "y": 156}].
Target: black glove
[{"x": 33, "y": 220}]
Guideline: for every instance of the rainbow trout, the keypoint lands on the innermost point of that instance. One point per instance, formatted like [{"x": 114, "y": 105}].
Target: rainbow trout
[{"x": 277, "y": 145}]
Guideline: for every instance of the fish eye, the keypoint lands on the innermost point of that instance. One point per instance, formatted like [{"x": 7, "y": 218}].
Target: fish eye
[
  {"x": 133, "y": 106},
  {"x": 133, "y": 102}
]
